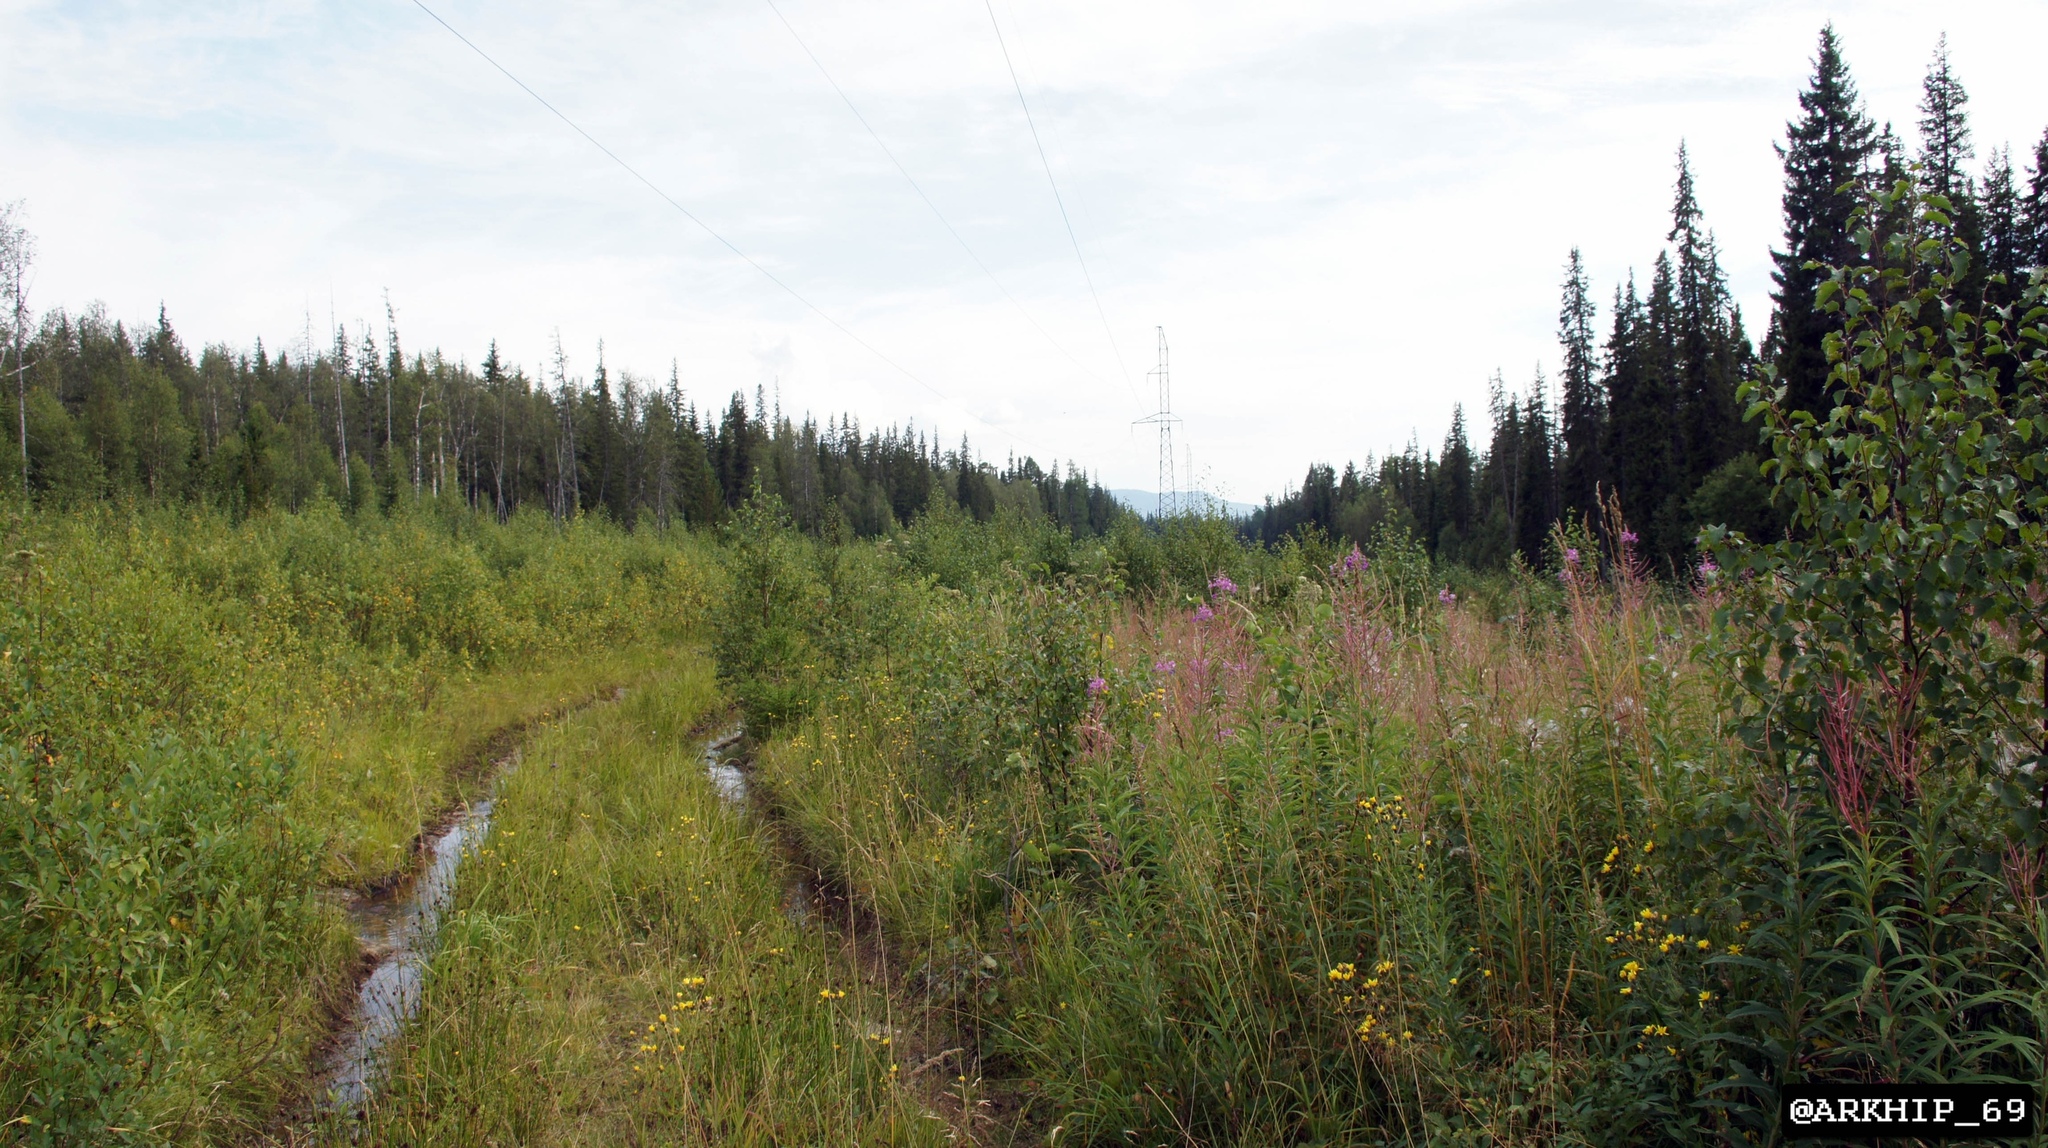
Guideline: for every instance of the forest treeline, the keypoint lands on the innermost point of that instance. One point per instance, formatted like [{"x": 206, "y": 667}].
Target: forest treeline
[
  {"x": 1644, "y": 405},
  {"x": 108, "y": 412},
  {"x": 1642, "y": 410}
]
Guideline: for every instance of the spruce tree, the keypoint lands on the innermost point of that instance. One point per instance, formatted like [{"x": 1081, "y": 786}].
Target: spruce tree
[
  {"x": 2006, "y": 244},
  {"x": 1826, "y": 154},
  {"x": 2034, "y": 212},
  {"x": 1585, "y": 411},
  {"x": 1455, "y": 473},
  {"x": 1945, "y": 151},
  {"x": 1536, "y": 475},
  {"x": 1944, "y": 128},
  {"x": 1705, "y": 346}
]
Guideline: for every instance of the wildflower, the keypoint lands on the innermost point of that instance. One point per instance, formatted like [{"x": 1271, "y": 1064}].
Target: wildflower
[
  {"x": 1096, "y": 686},
  {"x": 1631, "y": 970},
  {"x": 1203, "y": 613},
  {"x": 1705, "y": 944},
  {"x": 1735, "y": 950},
  {"x": 1163, "y": 666},
  {"x": 1446, "y": 597},
  {"x": 1628, "y": 538},
  {"x": 1344, "y": 972},
  {"x": 1705, "y": 996},
  {"x": 1655, "y": 1030},
  {"x": 1707, "y": 569},
  {"x": 1407, "y": 1034},
  {"x": 1571, "y": 555},
  {"x": 1383, "y": 967},
  {"x": 1221, "y": 584}
]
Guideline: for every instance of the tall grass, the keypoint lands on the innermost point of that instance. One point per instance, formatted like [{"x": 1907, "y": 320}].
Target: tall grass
[
  {"x": 1376, "y": 863},
  {"x": 623, "y": 966},
  {"x": 205, "y": 721}
]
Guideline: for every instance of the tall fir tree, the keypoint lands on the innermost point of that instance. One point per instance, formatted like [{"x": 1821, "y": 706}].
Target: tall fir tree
[
  {"x": 2034, "y": 211},
  {"x": 1456, "y": 469},
  {"x": 1584, "y": 406},
  {"x": 1536, "y": 475},
  {"x": 1945, "y": 153},
  {"x": 1707, "y": 358},
  {"x": 2005, "y": 252},
  {"x": 1827, "y": 154}
]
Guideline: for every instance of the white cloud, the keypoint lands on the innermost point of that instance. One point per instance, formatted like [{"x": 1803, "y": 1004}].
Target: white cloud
[{"x": 1346, "y": 216}]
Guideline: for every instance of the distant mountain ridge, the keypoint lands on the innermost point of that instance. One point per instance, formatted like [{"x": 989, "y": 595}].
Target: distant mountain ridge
[{"x": 1147, "y": 501}]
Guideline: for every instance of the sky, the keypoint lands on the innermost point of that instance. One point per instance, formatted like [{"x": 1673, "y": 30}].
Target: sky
[{"x": 1346, "y": 217}]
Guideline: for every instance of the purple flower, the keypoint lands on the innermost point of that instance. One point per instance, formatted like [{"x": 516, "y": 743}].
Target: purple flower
[
  {"x": 1446, "y": 597},
  {"x": 1628, "y": 538},
  {"x": 1203, "y": 613},
  {"x": 1571, "y": 555},
  {"x": 1222, "y": 584},
  {"x": 1163, "y": 666},
  {"x": 1351, "y": 563},
  {"x": 1225, "y": 734},
  {"x": 1096, "y": 686},
  {"x": 1707, "y": 568}
]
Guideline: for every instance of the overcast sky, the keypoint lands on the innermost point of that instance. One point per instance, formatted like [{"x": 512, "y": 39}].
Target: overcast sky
[{"x": 1345, "y": 216}]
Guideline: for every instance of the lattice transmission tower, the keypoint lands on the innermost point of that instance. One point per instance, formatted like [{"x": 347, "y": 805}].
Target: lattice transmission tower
[{"x": 1164, "y": 418}]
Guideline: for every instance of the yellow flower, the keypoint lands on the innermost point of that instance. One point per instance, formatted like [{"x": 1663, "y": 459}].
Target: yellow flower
[
  {"x": 1631, "y": 970},
  {"x": 1705, "y": 944},
  {"x": 1344, "y": 972},
  {"x": 1705, "y": 996}
]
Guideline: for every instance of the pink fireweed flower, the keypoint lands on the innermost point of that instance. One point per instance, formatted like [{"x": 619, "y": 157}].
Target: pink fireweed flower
[
  {"x": 1571, "y": 555},
  {"x": 1707, "y": 568},
  {"x": 1163, "y": 666},
  {"x": 1203, "y": 613},
  {"x": 1222, "y": 584},
  {"x": 1351, "y": 563},
  {"x": 1096, "y": 686},
  {"x": 1628, "y": 538},
  {"x": 1446, "y": 597}
]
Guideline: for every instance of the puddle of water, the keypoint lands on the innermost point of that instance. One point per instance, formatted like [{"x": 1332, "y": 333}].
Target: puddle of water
[
  {"x": 721, "y": 755},
  {"x": 398, "y": 933}
]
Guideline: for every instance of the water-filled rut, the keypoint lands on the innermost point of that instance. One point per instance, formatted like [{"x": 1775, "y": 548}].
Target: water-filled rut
[{"x": 398, "y": 927}]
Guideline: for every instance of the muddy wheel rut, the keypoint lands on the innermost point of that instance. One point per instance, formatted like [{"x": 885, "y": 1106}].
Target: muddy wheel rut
[
  {"x": 927, "y": 1035},
  {"x": 396, "y": 920}
]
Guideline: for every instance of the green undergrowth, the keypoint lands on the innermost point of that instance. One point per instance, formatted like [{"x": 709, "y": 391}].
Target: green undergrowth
[
  {"x": 1376, "y": 861},
  {"x": 205, "y": 721},
  {"x": 620, "y": 966}
]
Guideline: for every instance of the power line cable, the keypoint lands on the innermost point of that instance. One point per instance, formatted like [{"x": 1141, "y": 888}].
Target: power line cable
[
  {"x": 914, "y": 186},
  {"x": 707, "y": 229},
  {"x": 1057, "y": 198}
]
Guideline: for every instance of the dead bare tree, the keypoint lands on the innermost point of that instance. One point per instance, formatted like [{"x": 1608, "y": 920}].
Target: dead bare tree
[{"x": 17, "y": 252}]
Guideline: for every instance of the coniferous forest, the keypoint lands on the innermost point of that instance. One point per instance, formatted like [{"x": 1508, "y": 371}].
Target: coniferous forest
[
  {"x": 400, "y": 751},
  {"x": 1644, "y": 404}
]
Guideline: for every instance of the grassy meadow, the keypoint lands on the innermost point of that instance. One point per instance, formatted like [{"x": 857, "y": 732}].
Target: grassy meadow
[
  {"x": 207, "y": 724},
  {"x": 1151, "y": 837}
]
